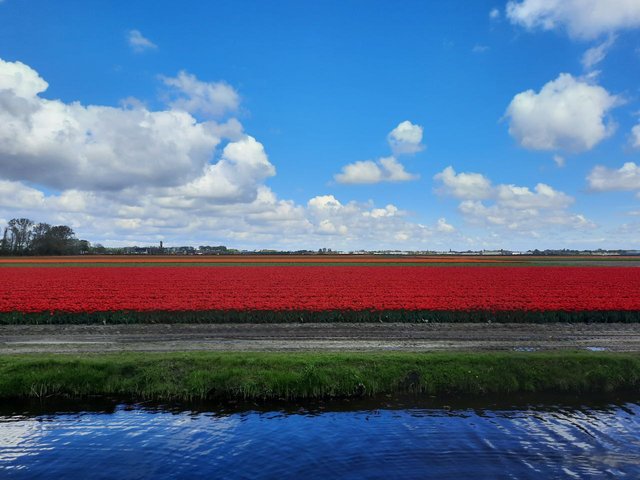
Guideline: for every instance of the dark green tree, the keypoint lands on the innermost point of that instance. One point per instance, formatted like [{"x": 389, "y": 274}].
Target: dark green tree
[
  {"x": 19, "y": 235},
  {"x": 39, "y": 239}
]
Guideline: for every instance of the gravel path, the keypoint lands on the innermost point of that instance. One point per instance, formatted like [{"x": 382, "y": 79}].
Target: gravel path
[{"x": 318, "y": 337}]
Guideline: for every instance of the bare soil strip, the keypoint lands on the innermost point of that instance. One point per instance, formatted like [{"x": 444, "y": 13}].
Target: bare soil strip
[{"x": 615, "y": 337}]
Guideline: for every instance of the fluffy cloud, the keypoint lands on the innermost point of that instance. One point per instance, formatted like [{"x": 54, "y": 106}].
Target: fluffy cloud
[
  {"x": 567, "y": 114},
  {"x": 234, "y": 178},
  {"x": 134, "y": 176},
  {"x": 129, "y": 166},
  {"x": 354, "y": 220},
  {"x": 443, "y": 226},
  {"x": 543, "y": 197},
  {"x": 16, "y": 194},
  {"x": 210, "y": 99},
  {"x": 69, "y": 145},
  {"x": 324, "y": 203},
  {"x": 386, "y": 169},
  {"x": 581, "y": 18},
  {"x": 129, "y": 218},
  {"x": 603, "y": 179},
  {"x": 138, "y": 42},
  {"x": 20, "y": 80},
  {"x": 520, "y": 221},
  {"x": 516, "y": 208},
  {"x": 597, "y": 54},
  {"x": 464, "y": 185},
  {"x": 406, "y": 138}
]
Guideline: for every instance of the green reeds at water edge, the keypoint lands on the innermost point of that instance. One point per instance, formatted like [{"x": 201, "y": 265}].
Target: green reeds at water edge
[
  {"x": 207, "y": 375},
  {"x": 306, "y": 316}
]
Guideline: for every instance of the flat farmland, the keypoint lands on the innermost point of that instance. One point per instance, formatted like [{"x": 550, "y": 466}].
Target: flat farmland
[{"x": 298, "y": 302}]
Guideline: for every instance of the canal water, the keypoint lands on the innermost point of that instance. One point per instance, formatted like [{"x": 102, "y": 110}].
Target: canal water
[{"x": 385, "y": 438}]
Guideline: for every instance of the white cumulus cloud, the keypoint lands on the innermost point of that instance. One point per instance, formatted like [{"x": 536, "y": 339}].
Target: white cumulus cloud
[
  {"x": 464, "y": 185},
  {"x": 20, "y": 80},
  {"x": 210, "y": 99},
  {"x": 518, "y": 209},
  {"x": 603, "y": 179},
  {"x": 406, "y": 138},
  {"x": 542, "y": 197},
  {"x": 15, "y": 193},
  {"x": 526, "y": 221},
  {"x": 324, "y": 202},
  {"x": 129, "y": 175},
  {"x": 234, "y": 178},
  {"x": 328, "y": 216},
  {"x": 443, "y": 226},
  {"x": 69, "y": 145},
  {"x": 386, "y": 169},
  {"x": 566, "y": 114},
  {"x": 583, "y": 19}
]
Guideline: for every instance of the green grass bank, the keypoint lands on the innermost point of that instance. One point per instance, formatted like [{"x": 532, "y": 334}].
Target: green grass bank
[{"x": 226, "y": 376}]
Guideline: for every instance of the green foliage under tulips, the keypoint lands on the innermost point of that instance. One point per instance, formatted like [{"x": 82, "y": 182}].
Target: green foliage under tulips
[{"x": 295, "y": 316}]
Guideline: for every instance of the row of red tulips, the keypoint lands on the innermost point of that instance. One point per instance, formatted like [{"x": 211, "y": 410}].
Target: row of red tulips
[{"x": 318, "y": 289}]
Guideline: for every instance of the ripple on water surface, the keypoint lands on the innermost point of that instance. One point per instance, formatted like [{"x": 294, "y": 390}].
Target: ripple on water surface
[{"x": 382, "y": 443}]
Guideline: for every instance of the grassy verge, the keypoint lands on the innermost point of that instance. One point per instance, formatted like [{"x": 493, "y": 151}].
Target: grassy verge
[
  {"x": 205, "y": 375},
  {"x": 302, "y": 316}
]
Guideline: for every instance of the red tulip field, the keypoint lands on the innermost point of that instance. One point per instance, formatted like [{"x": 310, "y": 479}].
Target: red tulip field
[{"x": 319, "y": 293}]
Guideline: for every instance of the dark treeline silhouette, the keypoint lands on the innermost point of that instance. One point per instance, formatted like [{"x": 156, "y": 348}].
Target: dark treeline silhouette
[{"x": 21, "y": 236}]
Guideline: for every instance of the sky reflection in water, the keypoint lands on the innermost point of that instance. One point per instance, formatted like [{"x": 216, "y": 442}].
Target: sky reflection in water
[{"x": 138, "y": 442}]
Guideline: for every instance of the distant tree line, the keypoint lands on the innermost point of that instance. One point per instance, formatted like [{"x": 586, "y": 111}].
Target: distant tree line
[{"x": 22, "y": 236}]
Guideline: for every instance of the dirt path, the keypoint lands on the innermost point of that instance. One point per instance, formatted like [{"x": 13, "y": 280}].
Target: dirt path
[{"x": 327, "y": 337}]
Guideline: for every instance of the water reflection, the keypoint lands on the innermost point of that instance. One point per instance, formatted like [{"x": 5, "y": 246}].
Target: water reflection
[{"x": 386, "y": 438}]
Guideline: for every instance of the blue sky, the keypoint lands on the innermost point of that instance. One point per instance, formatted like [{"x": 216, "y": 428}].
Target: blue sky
[{"x": 359, "y": 124}]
